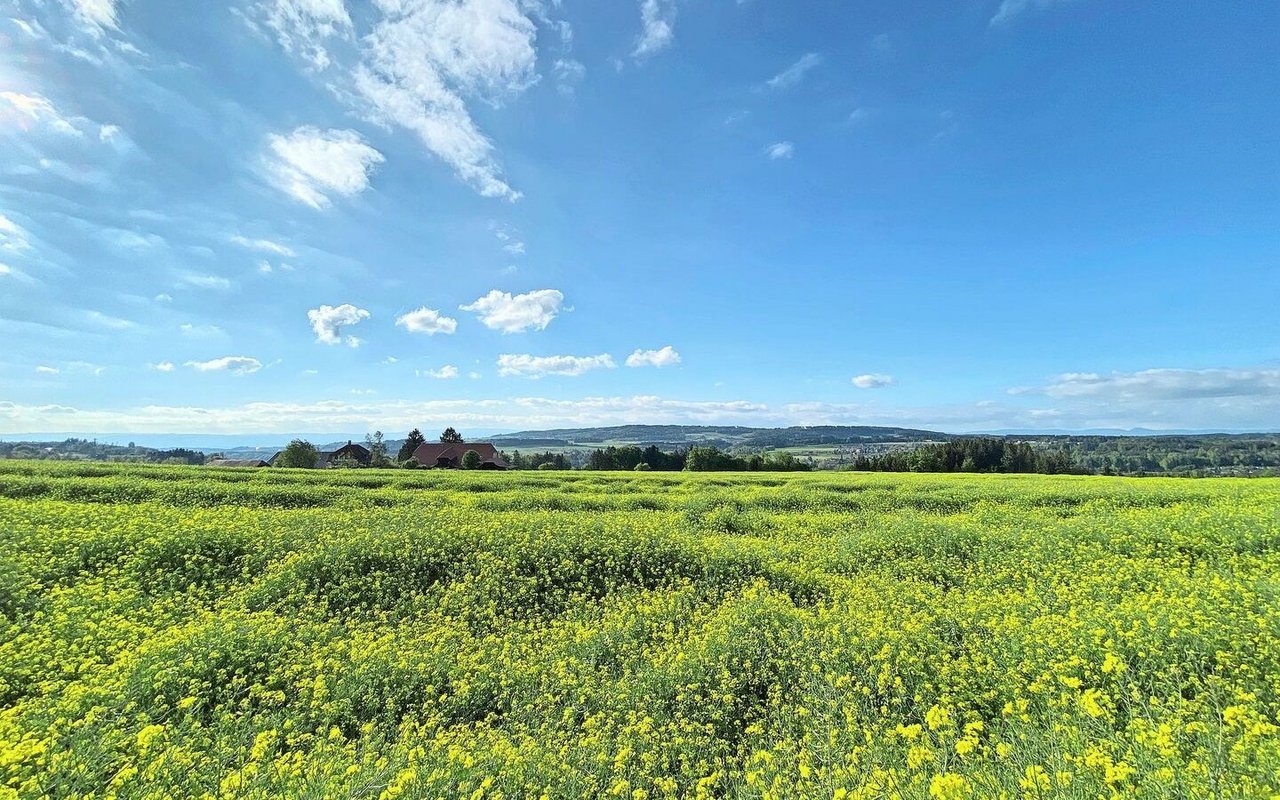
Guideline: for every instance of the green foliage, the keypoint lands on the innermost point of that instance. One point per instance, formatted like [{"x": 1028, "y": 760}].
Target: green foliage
[
  {"x": 184, "y": 632},
  {"x": 298, "y": 454},
  {"x": 471, "y": 460},
  {"x": 377, "y": 450},
  {"x": 449, "y": 435},
  {"x": 411, "y": 443}
]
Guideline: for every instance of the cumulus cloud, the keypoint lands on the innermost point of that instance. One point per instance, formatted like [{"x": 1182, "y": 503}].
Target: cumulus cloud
[
  {"x": 779, "y": 150},
  {"x": 517, "y": 313},
  {"x": 428, "y": 321},
  {"x": 444, "y": 373},
  {"x": 873, "y": 380},
  {"x": 529, "y": 366},
  {"x": 44, "y": 369},
  {"x": 310, "y": 164},
  {"x": 264, "y": 246},
  {"x": 665, "y": 357},
  {"x": 327, "y": 322},
  {"x": 162, "y": 366},
  {"x": 795, "y": 73},
  {"x": 657, "y": 27},
  {"x": 236, "y": 365}
]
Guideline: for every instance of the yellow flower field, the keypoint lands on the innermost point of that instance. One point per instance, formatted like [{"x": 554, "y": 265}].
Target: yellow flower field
[{"x": 183, "y": 632}]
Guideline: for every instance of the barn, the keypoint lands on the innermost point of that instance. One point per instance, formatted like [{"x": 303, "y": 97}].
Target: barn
[{"x": 448, "y": 455}]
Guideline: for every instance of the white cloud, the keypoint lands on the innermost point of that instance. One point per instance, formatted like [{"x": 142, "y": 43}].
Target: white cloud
[
  {"x": 514, "y": 248},
  {"x": 1162, "y": 384},
  {"x": 779, "y": 150},
  {"x": 108, "y": 321},
  {"x": 568, "y": 74},
  {"x": 444, "y": 373},
  {"x": 303, "y": 26},
  {"x": 162, "y": 366},
  {"x": 164, "y": 298},
  {"x": 529, "y": 366},
  {"x": 95, "y": 15},
  {"x": 795, "y": 73},
  {"x": 428, "y": 321},
  {"x": 264, "y": 246},
  {"x": 327, "y": 322},
  {"x": 418, "y": 63},
  {"x": 873, "y": 380},
  {"x": 426, "y": 56},
  {"x": 389, "y": 360},
  {"x": 236, "y": 365},
  {"x": 657, "y": 27},
  {"x": 514, "y": 314},
  {"x": 201, "y": 331},
  {"x": 38, "y": 109},
  {"x": 213, "y": 282},
  {"x": 310, "y": 164},
  {"x": 665, "y": 357},
  {"x": 1012, "y": 8},
  {"x": 12, "y": 236},
  {"x": 46, "y": 370}
]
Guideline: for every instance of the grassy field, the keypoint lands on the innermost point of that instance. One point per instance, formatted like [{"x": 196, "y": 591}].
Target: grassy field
[{"x": 187, "y": 632}]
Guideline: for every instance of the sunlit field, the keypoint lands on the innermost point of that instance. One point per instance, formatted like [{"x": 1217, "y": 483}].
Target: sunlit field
[{"x": 188, "y": 632}]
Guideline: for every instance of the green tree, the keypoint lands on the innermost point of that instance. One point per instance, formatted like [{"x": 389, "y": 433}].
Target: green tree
[
  {"x": 449, "y": 435},
  {"x": 299, "y": 454},
  {"x": 377, "y": 449},
  {"x": 471, "y": 460},
  {"x": 411, "y": 443}
]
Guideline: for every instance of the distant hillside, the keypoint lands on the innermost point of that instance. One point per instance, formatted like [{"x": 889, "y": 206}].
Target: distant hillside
[{"x": 725, "y": 435}]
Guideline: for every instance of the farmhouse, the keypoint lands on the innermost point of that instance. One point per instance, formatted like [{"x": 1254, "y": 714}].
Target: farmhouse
[
  {"x": 448, "y": 455},
  {"x": 236, "y": 462},
  {"x": 332, "y": 458}
]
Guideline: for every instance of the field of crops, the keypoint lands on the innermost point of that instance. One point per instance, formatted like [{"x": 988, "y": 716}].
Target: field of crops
[{"x": 187, "y": 632}]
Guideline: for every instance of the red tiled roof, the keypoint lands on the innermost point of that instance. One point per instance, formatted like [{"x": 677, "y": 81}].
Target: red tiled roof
[{"x": 430, "y": 453}]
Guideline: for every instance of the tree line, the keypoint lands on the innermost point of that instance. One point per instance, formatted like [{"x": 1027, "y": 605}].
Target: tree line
[{"x": 979, "y": 454}]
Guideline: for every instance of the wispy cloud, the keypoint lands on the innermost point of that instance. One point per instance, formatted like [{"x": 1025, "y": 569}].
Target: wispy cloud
[
  {"x": 310, "y": 164},
  {"x": 264, "y": 246},
  {"x": 95, "y": 15},
  {"x": 419, "y": 64},
  {"x": 12, "y": 236},
  {"x": 1013, "y": 8},
  {"x": 779, "y": 150},
  {"x": 517, "y": 313},
  {"x": 794, "y": 74},
  {"x": 236, "y": 365},
  {"x": 530, "y": 366},
  {"x": 446, "y": 372},
  {"x": 657, "y": 27}
]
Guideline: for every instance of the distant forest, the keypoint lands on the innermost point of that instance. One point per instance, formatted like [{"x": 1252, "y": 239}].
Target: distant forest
[{"x": 91, "y": 450}]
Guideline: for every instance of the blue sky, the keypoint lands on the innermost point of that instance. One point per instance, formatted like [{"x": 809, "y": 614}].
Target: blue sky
[{"x": 300, "y": 215}]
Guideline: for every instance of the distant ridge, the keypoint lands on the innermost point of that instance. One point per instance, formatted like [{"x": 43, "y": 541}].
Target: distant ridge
[{"x": 721, "y": 434}]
